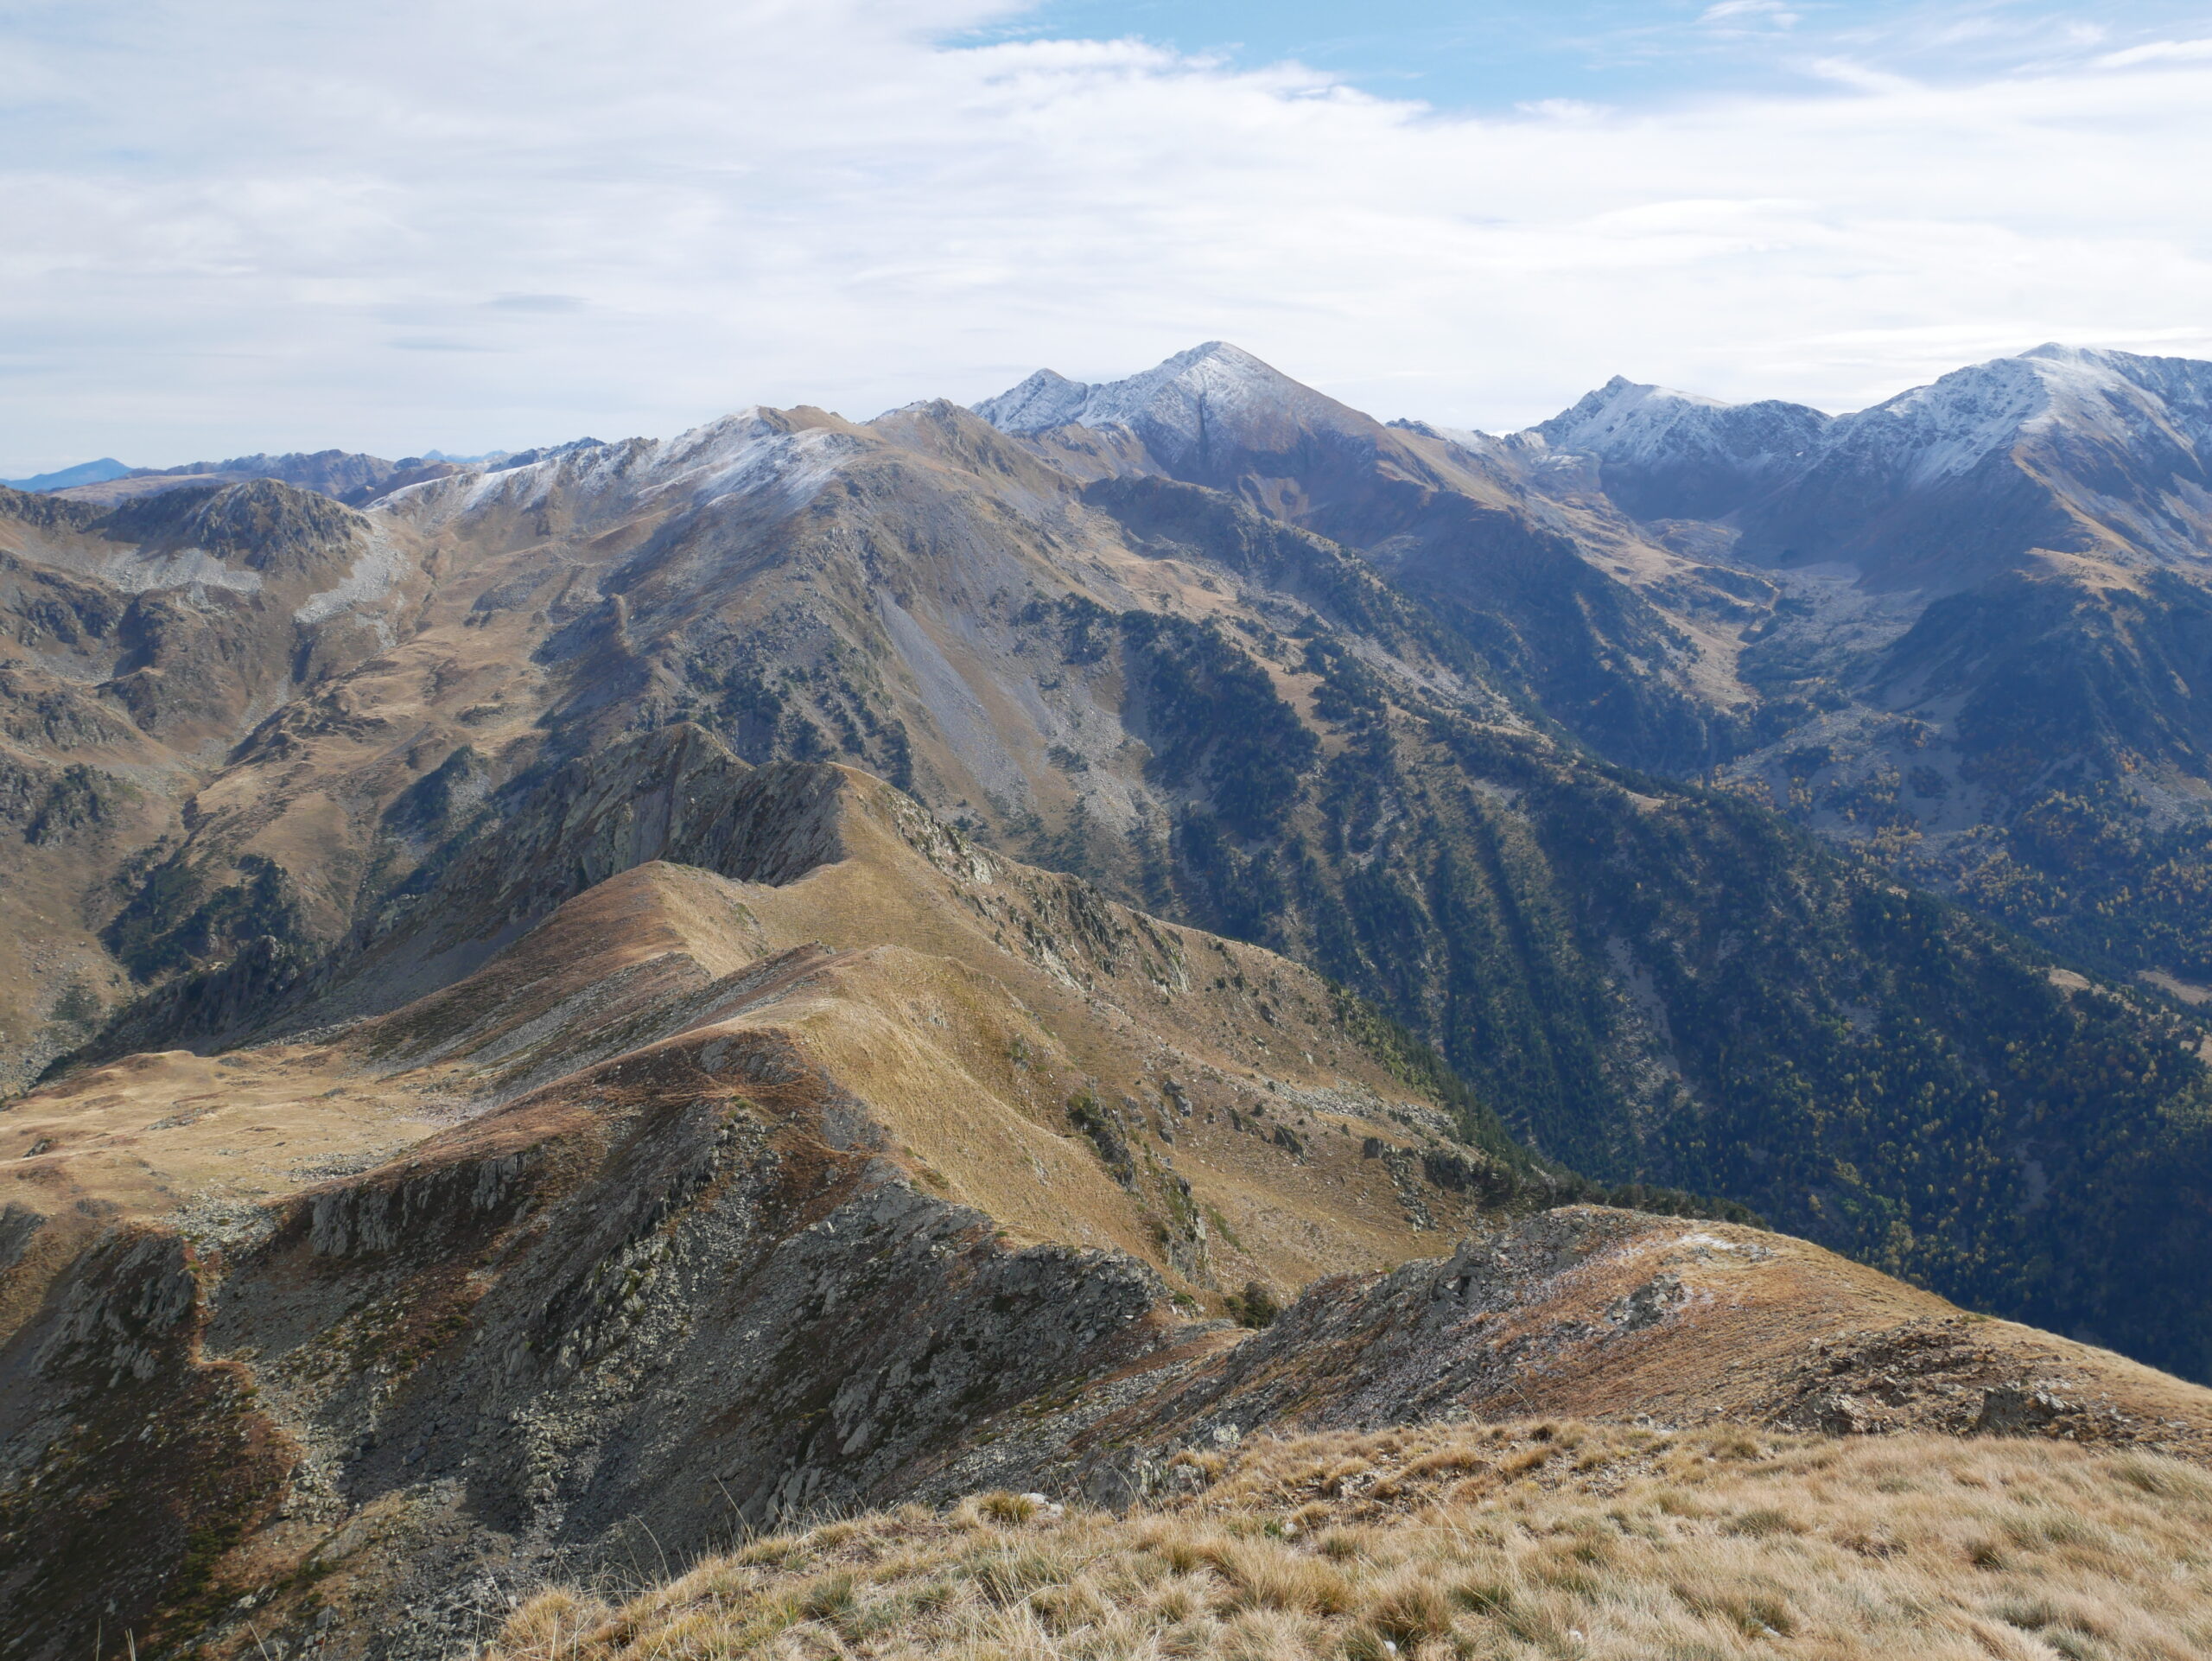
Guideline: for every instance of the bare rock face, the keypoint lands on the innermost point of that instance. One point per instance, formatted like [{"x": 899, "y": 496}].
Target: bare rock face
[
  {"x": 1599, "y": 1314},
  {"x": 688, "y": 1298}
]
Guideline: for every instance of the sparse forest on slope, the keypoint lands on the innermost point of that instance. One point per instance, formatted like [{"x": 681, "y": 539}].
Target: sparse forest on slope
[
  {"x": 1669, "y": 985},
  {"x": 1236, "y": 653},
  {"x": 1980, "y": 642},
  {"x": 655, "y": 989}
]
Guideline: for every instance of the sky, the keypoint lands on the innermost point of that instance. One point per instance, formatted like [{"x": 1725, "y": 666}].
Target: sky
[{"x": 236, "y": 225}]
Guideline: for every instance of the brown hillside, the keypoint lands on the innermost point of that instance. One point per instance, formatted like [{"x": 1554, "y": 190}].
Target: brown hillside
[
  {"x": 708, "y": 1203},
  {"x": 909, "y": 1089}
]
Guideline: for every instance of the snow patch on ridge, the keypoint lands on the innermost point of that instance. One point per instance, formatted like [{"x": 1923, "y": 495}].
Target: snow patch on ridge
[
  {"x": 753, "y": 454},
  {"x": 749, "y": 454},
  {"x": 1470, "y": 439}
]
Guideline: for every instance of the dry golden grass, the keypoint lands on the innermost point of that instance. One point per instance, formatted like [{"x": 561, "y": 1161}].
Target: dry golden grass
[
  {"x": 1553, "y": 1540},
  {"x": 939, "y": 985}
]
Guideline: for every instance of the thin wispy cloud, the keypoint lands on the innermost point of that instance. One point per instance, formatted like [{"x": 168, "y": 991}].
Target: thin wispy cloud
[
  {"x": 235, "y": 226},
  {"x": 1738, "y": 13},
  {"x": 1563, "y": 109},
  {"x": 2158, "y": 52}
]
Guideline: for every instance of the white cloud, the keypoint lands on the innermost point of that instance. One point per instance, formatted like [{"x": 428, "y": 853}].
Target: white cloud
[
  {"x": 1563, "y": 109},
  {"x": 237, "y": 224},
  {"x": 1740, "y": 11},
  {"x": 2158, "y": 52}
]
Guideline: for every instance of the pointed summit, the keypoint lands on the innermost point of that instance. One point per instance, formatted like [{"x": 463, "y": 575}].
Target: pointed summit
[
  {"x": 1045, "y": 400},
  {"x": 1624, "y": 417},
  {"x": 1191, "y": 402}
]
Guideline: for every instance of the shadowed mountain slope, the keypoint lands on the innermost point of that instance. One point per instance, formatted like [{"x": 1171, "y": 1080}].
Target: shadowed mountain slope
[
  {"x": 597, "y": 1003},
  {"x": 1984, "y": 628},
  {"x": 2061, "y": 449},
  {"x": 1316, "y": 683}
]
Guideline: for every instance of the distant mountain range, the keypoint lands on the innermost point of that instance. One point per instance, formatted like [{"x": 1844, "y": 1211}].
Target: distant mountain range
[
  {"x": 85, "y": 472},
  {"x": 1956, "y": 634},
  {"x": 1719, "y": 809},
  {"x": 348, "y": 476}
]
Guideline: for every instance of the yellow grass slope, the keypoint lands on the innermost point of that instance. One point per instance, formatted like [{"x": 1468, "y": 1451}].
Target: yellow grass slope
[{"x": 1521, "y": 1540}]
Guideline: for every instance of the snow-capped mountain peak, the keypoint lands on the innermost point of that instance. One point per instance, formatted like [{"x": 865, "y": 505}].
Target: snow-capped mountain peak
[
  {"x": 1045, "y": 400},
  {"x": 1669, "y": 454},
  {"x": 1631, "y": 421},
  {"x": 1176, "y": 408},
  {"x": 2064, "y": 448},
  {"x": 1949, "y": 426}
]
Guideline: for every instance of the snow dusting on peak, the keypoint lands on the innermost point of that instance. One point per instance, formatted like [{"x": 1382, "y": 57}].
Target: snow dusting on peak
[
  {"x": 2063, "y": 445},
  {"x": 2053, "y": 394},
  {"x": 756, "y": 454},
  {"x": 1624, "y": 418},
  {"x": 1951, "y": 425},
  {"x": 1944, "y": 428},
  {"x": 1174, "y": 407},
  {"x": 1630, "y": 422},
  {"x": 1046, "y": 399}
]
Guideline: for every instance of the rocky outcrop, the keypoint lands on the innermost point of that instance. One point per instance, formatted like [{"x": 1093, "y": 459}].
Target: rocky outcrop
[
  {"x": 129, "y": 1461},
  {"x": 731, "y": 1224},
  {"x": 675, "y": 794},
  {"x": 1593, "y": 1312},
  {"x": 676, "y": 1299},
  {"x": 703, "y": 1287}
]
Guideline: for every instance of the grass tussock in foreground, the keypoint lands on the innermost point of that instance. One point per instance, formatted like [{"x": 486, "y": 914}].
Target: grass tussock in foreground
[{"x": 1553, "y": 1540}]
